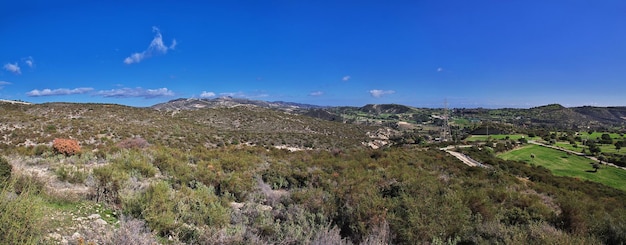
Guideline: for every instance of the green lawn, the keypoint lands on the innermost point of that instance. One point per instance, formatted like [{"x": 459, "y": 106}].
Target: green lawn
[
  {"x": 598, "y": 135},
  {"x": 562, "y": 164},
  {"x": 568, "y": 146},
  {"x": 605, "y": 148}
]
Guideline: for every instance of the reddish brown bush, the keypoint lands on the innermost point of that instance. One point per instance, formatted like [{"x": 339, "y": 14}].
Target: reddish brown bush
[
  {"x": 66, "y": 147},
  {"x": 134, "y": 143}
]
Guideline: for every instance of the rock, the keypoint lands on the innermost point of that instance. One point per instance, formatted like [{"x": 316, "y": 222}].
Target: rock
[
  {"x": 236, "y": 205},
  {"x": 55, "y": 236},
  {"x": 264, "y": 208},
  {"x": 76, "y": 235},
  {"x": 100, "y": 222},
  {"x": 94, "y": 216}
]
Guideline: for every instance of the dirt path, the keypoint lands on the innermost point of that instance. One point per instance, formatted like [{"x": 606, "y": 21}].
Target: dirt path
[{"x": 464, "y": 158}]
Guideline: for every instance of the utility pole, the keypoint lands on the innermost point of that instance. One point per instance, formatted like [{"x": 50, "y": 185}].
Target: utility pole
[{"x": 445, "y": 128}]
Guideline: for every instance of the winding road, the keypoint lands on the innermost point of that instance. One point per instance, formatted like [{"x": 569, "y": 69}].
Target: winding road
[{"x": 473, "y": 163}]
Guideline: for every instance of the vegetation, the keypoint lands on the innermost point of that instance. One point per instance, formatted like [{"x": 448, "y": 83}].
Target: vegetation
[
  {"x": 563, "y": 164},
  {"x": 66, "y": 147},
  {"x": 5, "y": 170},
  {"x": 248, "y": 175}
]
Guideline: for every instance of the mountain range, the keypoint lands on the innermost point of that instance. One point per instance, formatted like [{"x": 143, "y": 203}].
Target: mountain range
[{"x": 552, "y": 116}]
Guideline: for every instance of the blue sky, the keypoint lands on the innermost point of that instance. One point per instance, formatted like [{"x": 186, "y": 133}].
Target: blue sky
[{"x": 419, "y": 53}]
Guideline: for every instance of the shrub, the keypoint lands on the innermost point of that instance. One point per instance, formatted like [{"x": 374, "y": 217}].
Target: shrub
[
  {"x": 21, "y": 214},
  {"x": 71, "y": 174},
  {"x": 133, "y": 143},
  {"x": 5, "y": 169},
  {"x": 66, "y": 147}
]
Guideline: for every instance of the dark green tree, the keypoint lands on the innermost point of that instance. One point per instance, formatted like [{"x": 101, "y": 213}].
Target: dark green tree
[
  {"x": 593, "y": 147},
  {"x": 606, "y": 139},
  {"x": 595, "y": 166}
]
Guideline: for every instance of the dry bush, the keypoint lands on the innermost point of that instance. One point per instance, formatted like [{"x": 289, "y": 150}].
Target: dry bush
[
  {"x": 133, "y": 143},
  {"x": 66, "y": 147},
  {"x": 131, "y": 231}
]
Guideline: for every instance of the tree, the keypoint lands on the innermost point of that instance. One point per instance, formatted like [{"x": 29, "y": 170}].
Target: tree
[
  {"x": 606, "y": 139},
  {"x": 593, "y": 148},
  {"x": 596, "y": 166},
  {"x": 618, "y": 145}
]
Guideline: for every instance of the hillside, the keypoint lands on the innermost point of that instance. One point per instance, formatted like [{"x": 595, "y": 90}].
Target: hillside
[
  {"x": 101, "y": 125},
  {"x": 226, "y": 102},
  {"x": 246, "y": 174},
  {"x": 551, "y": 116}
]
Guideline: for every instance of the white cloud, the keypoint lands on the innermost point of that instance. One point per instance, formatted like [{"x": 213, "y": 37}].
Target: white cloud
[
  {"x": 15, "y": 68},
  {"x": 206, "y": 94},
  {"x": 136, "y": 92},
  {"x": 30, "y": 62},
  {"x": 345, "y": 78},
  {"x": 316, "y": 93},
  {"x": 60, "y": 91},
  {"x": 377, "y": 93},
  {"x": 3, "y": 83},
  {"x": 156, "y": 47},
  {"x": 173, "y": 45},
  {"x": 440, "y": 69}
]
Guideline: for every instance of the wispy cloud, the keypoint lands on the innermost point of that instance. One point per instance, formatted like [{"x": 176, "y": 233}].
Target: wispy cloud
[
  {"x": 316, "y": 93},
  {"x": 4, "y": 83},
  {"x": 345, "y": 78},
  {"x": 206, "y": 94},
  {"x": 30, "y": 62},
  {"x": 15, "y": 68},
  {"x": 173, "y": 45},
  {"x": 377, "y": 93},
  {"x": 135, "y": 92},
  {"x": 440, "y": 69},
  {"x": 156, "y": 47},
  {"x": 59, "y": 91},
  {"x": 244, "y": 95}
]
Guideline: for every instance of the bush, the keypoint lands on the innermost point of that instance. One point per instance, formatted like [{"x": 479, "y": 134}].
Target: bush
[
  {"x": 66, "y": 147},
  {"x": 71, "y": 174},
  {"x": 133, "y": 143},
  {"x": 5, "y": 169},
  {"x": 21, "y": 214}
]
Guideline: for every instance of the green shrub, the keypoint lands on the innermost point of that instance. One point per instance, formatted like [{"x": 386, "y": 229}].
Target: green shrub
[
  {"x": 21, "y": 214},
  {"x": 158, "y": 209},
  {"x": 5, "y": 169},
  {"x": 134, "y": 162},
  {"x": 71, "y": 174},
  {"x": 109, "y": 181}
]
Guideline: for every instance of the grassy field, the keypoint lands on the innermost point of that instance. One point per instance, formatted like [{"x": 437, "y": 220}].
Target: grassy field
[
  {"x": 562, "y": 164},
  {"x": 605, "y": 148},
  {"x": 598, "y": 135},
  {"x": 495, "y": 137}
]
